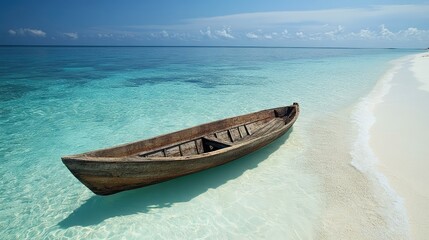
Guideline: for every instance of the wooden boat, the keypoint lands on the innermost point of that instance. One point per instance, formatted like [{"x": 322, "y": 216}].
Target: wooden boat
[{"x": 168, "y": 156}]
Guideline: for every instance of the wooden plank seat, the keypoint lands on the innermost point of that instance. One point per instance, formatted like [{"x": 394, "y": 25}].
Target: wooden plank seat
[{"x": 217, "y": 140}]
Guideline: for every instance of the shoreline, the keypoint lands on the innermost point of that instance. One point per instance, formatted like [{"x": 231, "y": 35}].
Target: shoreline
[
  {"x": 358, "y": 201},
  {"x": 398, "y": 137}
]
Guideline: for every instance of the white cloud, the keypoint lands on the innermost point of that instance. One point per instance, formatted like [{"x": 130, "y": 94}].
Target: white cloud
[
  {"x": 35, "y": 32},
  {"x": 285, "y": 34},
  {"x": 414, "y": 34},
  {"x": 364, "y": 33},
  {"x": 338, "y": 33},
  {"x": 315, "y": 37},
  {"x": 113, "y": 33},
  {"x": 181, "y": 36},
  {"x": 268, "y": 36},
  {"x": 164, "y": 33},
  {"x": 71, "y": 35},
  {"x": 207, "y": 33},
  {"x": 261, "y": 35},
  {"x": 27, "y": 32},
  {"x": 225, "y": 33},
  {"x": 300, "y": 34},
  {"x": 333, "y": 34},
  {"x": 385, "y": 32},
  {"x": 104, "y": 35},
  {"x": 409, "y": 34},
  {"x": 252, "y": 35},
  {"x": 345, "y": 26},
  {"x": 161, "y": 34},
  {"x": 308, "y": 21},
  {"x": 344, "y": 16}
]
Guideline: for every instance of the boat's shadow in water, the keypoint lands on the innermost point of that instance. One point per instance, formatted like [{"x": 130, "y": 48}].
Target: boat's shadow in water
[{"x": 99, "y": 208}]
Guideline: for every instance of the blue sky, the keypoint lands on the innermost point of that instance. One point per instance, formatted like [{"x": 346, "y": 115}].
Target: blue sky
[{"x": 293, "y": 23}]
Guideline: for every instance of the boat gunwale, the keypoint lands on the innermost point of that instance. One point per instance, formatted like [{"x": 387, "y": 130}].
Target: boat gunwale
[
  {"x": 85, "y": 154},
  {"x": 83, "y": 157}
]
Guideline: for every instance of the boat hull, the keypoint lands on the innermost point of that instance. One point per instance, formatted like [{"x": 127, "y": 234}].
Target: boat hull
[
  {"x": 105, "y": 178},
  {"x": 142, "y": 163}
]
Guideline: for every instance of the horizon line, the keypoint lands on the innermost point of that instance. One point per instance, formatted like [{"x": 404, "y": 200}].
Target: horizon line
[{"x": 199, "y": 46}]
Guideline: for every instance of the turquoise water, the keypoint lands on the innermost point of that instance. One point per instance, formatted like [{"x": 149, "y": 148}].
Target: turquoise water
[{"x": 56, "y": 101}]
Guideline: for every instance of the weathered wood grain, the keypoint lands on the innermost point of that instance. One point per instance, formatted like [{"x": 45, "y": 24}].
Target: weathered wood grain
[{"x": 168, "y": 156}]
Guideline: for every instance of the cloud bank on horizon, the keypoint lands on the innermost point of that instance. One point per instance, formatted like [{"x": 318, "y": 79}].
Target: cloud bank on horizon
[{"x": 400, "y": 25}]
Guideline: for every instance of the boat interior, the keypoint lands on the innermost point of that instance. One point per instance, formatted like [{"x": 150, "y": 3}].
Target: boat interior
[
  {"x": 204, "y": 138},
  {"x": 218, "y": 140}
]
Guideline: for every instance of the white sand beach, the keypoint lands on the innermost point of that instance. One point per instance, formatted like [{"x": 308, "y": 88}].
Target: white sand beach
[
  {"x": 400, "y": 140},
  {"x": 386, "y": 144}
]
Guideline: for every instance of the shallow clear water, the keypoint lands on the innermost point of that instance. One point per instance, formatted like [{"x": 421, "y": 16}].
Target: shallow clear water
[{"x": 56, "y": 101}]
